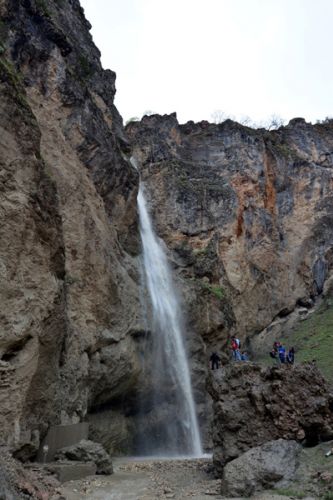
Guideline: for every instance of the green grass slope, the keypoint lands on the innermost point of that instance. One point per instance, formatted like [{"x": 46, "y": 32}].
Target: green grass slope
[{"x": 313, "y": 338}]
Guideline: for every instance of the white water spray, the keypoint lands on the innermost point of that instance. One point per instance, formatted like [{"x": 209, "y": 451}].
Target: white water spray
[{"x": 178, "y": 434}]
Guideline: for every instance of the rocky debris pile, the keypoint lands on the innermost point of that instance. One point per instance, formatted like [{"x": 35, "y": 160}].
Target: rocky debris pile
[
  {"x": 88, "y": 451},
  {"x": 254, "y": 405},
  {"x": 271, "y": 465}
]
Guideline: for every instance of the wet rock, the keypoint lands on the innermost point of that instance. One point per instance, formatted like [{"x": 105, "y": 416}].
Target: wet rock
[{"x": 88, "y": 451}]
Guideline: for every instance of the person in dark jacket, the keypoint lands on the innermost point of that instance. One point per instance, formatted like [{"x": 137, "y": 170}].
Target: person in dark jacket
[
  {"x": 291, "y": 356},
  {"x": 215, "y": 359}
]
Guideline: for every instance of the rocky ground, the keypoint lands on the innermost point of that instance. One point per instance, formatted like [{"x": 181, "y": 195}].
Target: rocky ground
[
  {"x": 149, "y": 479},
  {"x": 157, "y": 479},
  {"x": 19, "y": 482}
]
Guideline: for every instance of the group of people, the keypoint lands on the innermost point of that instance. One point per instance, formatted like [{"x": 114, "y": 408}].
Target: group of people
[
  {"x": 237, "y": 354},
  {"x": 280, "y": 355}
]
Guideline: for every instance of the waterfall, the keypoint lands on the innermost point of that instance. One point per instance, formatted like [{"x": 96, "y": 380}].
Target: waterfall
[{"x": 175, "y": 431}]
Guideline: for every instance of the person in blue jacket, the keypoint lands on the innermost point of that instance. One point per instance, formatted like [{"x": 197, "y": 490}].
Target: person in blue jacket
[{"x": 282, "y": 354}]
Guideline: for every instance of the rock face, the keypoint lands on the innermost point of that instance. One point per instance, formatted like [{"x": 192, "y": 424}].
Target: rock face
[
  {"x": 68, "y": 235},
  {"x": 271, "y": 465},
  {"x": 17, "y": 482},
  {"x": 254, "y": 405},
  {"x": 246, "y": 215},
  {"x": 88, "y": 451}
]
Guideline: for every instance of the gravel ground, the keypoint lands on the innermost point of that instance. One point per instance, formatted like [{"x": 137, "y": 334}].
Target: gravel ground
[
  {"x": 152, "y": 480},
  {"x": 148, "y": 480}
]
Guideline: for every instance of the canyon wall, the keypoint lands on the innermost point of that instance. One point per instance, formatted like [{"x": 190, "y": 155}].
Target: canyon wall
[
  {"x": 245, "y": 216},
  {"x": 70, "y": 317}
]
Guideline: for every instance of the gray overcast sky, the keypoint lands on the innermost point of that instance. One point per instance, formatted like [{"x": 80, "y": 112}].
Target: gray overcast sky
[{"x": 245, "y": 57}]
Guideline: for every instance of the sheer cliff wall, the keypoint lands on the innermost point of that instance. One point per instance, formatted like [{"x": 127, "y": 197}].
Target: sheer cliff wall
[
  {"x": 70, "y": 314},
  {"x": 247, "y": 217}
]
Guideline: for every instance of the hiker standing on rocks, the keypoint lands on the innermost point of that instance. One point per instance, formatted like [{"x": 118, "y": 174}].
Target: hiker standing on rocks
[
  {"x": 244, "y": 356},
  {"x": 235, "y": 345},
  {"x": 275, "y": 352},
  {"x": 215, "y": 359},
  {"x": 282, "y": 354},
  {"x": 291, "y": 356}
]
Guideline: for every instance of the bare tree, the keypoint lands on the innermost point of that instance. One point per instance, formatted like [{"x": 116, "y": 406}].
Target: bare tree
[
  {"x": 247, "y": 122},
  {"x": 218, "y": 116},
  {"x": 327, "y": 120},
  {"x": 274, "y": 122}
]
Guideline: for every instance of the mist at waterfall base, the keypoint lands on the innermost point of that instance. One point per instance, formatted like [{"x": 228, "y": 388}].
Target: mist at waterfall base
[{"x": 169, "y": 410}]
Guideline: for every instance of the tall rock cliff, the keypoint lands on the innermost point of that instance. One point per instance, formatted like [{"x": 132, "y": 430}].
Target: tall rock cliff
[
  {"x": 68, "y": 235},
  {"x": 247, "y": 216}
]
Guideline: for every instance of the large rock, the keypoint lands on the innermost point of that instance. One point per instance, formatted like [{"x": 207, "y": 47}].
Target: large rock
[
  {"x": 254, "y": 405},
  {"x": 271, "y": 465},
  {"x": 68, "y": 232},
  {"x": 18, "y": 482},
  {"x": 87, "y": 451}
]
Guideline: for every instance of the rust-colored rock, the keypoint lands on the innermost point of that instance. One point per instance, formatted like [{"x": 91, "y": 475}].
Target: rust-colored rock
[{"x": 246, "y": 215}]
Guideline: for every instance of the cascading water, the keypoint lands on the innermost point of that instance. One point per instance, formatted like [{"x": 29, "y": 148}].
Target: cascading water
[{"x": 175, "y": 431}]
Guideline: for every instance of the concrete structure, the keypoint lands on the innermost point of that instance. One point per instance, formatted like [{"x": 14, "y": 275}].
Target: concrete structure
[
  {"x": 59, "y": 437},
  {"x": 69, "y": 471}
]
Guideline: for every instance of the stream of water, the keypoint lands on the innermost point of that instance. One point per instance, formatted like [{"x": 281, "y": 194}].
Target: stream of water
[{"x": 176, "y": 432}]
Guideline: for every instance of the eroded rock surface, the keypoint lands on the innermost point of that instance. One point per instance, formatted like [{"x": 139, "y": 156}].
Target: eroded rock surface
[
  {"x": 246, "y": 215},
  {"x": 254, "y": 405},
  {"x": 68, "y": 238}
]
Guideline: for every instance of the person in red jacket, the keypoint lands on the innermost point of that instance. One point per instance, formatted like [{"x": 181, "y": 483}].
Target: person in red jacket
[{"x": 235, "y": 345}]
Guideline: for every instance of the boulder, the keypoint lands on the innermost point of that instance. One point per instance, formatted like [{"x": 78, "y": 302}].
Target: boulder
[
  {"x": 272, "y": 464},
  {"x": 88, "y": 451},
  {"x": 255, "y": 404}
]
